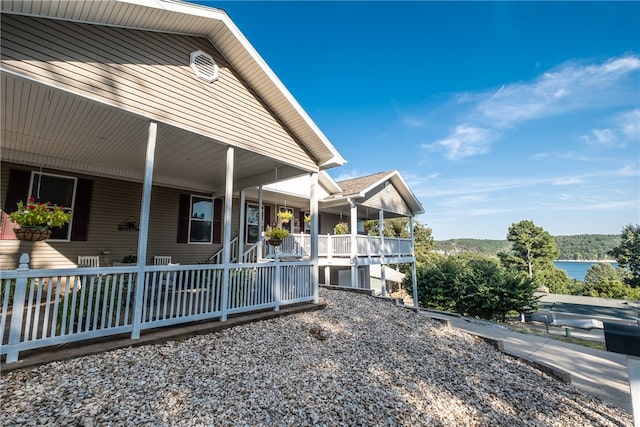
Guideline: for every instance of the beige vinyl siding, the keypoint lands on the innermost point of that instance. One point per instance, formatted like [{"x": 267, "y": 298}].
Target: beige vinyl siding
[
  {"x": 147, "y": 73},
  {"x": 112, "y": 202},
  {"x": 387, "y": 199}
]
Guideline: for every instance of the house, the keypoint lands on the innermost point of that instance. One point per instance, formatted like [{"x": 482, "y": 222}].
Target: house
[
  {"x": 158, "y": 126},
  {"x": 345, "y": 260}
]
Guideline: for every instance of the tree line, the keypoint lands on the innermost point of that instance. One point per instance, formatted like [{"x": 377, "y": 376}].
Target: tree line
[
  {"x": 579, "y": 247},
  {"x": 493, "y": 286}
]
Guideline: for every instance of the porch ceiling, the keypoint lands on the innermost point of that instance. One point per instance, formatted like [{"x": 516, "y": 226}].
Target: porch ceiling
[{"x": 47, "y": 128}]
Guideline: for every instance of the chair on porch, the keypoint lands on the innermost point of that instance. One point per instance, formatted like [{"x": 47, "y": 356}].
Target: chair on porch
[
  {"x": 161, "y": 260},
  {"x": 89, "y": 261},
  {"x": 166, "y": 277}
]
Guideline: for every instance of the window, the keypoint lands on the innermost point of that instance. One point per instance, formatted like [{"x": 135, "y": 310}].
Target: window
[
  {"x": 253, "y": 226},
  {"x": 201, "y": 220},
  {"x": 59, "y": 190}
]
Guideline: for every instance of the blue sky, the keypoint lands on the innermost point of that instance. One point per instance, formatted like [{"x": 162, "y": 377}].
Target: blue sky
[{"x": 493, "y": 112}]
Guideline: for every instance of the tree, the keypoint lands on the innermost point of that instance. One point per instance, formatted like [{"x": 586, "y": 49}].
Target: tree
[
  {"x": 558, "y": 281},
  {"x": 601, "y": 272},
  {"x": 397, "y": 227},
  {"x": 627, "y": 254},
  {"x": 531, "y": 246},
  {"x": 423, "y": 242},
  {"x": 473, "y": 285}
]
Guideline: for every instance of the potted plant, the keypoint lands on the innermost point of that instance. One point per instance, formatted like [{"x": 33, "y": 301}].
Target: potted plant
[
  {"x": 368, "y": 224},
  {"x": 275, "y": 235},
  {"x": 129, "y": 259},
  {"x": 341, "y": 228},
  {"x": 37, "y": 218},
  {"x": 307, "y": 219},
  {"x": 285, "y": 216}
]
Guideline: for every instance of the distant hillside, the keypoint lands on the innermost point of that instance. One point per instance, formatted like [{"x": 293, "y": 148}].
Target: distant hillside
[
  {"x": 480, "y": 246},
  {"x": 577, "y": 247},
  {"x": 586, "y": 246}
]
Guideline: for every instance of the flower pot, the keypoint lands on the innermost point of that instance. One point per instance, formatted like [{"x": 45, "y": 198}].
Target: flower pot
[
  {"x": 275, "y": 242},
  {"x": 32, "y": 234}
]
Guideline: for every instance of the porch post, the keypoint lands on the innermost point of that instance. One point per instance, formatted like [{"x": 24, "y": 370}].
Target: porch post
[
  {"x": 414, "y": 278},
  {"x": 243, "y": 217},
  {"x": 144, "y": 228},
  {"x": 260, "y": 222},
  {"x": 20, "y": 293},
  {"x": 381, "y": 230},
  {"x": 354, "y": 243},
  {"x": 313, "y": 211},
  {"x": 383, "y": 279},
  {"x": 226, "y": 241}
]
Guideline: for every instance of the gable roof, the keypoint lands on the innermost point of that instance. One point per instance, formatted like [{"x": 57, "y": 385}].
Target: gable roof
[
  {"x": 359, "y": 187},
  {"x": 361, "y": 184},
  {"x": 189, "y": 19}
]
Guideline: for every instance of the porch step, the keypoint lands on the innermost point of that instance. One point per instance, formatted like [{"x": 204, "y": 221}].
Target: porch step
[{"x": 30, "y": 359}]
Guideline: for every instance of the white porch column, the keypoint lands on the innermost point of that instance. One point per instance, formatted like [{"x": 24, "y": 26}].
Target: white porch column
[
  {"x": 383, "y": 277},
  {"x": 243, "y": 218},
  {"x": 226, "y": 240},
  {"x": 260, "y": 222},
  {"x": 354, "y": 243},
  {"x": 144, "y": 227},
  {"x": 381, "y": 230},
  {"x": 414, "y": 277},
  {"x": 313, "y": 211}
]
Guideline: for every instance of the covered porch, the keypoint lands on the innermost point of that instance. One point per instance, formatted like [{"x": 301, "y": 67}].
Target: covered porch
[{"x": 150, "y": 159}]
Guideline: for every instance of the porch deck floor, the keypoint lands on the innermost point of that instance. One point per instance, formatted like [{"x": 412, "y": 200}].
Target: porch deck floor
[{"x": 30, "y": 359}]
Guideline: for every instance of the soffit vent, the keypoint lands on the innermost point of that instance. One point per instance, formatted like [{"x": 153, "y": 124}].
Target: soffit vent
[{"x": 204, "y": 66}]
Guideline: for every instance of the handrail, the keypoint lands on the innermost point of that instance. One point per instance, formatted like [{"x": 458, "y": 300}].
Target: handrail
[
  {"x": 329, "y": 245},
  {"x": 217, "y": 257}
]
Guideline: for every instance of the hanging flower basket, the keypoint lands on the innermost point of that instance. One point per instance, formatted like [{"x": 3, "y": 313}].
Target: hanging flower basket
[
  {"x": 36, "y": 218},
  {"x": 32, "y": 234},
  {"x": 274, "y": 242},
  {"x": 275, "y": 235},
  {"x": 285, "y": 216}
]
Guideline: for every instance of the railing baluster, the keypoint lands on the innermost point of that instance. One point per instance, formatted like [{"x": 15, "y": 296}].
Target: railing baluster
[{"x": 83, "y": 303}]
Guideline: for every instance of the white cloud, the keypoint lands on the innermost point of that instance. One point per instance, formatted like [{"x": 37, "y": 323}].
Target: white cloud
[
  {"x": 605, "y": 206},
  {"x": 540, "y": 156},
  {"x": 570, "y": 87},
  {"x": 349, "y": 175},
  {"x": 466, "y": 140},
  {"x": 475, "y": 186},
  {"x": 626, "y": 129},
  {"x": 568, "y": 181},
  {"x": 413, "y": 121},
  {"x": 605, "y": 136},
  {"x": 463, "y": 200},
  {"x": 629, "y": 123}
]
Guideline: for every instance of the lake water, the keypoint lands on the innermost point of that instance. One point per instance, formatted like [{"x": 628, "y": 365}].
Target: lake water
[{"x": 577, "y": 270}]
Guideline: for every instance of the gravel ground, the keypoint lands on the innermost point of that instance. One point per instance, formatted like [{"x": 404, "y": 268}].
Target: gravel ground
[{"x": 360, "y": 362}]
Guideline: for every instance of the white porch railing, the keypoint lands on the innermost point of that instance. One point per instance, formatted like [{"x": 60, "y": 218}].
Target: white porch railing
[
  {"x": 48, "y": 307},
  {"x": 340, "y": 245},
  {"x": 217, "y": 257},
  {"x": 299, "y": 245}
]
